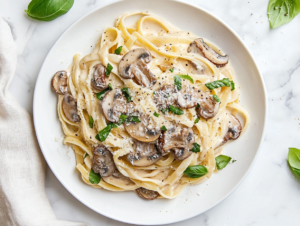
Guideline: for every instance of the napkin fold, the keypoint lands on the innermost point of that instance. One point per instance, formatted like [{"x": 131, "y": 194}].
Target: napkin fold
[{"x": 23, "y": 200}]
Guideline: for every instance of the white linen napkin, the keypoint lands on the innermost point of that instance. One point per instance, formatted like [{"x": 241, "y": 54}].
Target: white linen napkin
[{"x": 23, "y": 200}]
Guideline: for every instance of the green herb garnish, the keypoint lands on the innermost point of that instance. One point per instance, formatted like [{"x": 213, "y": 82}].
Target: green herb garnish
[
  {"x": 103, "y": 134},
  {"x": 86, "y": 155},
  {"x": 186, "y": 77},
  {"x": 101, "y": 95},
  {"x": 197, "y": 120},
  {"x": 220, "y": 83},
  {"x": 177, "y": 83},
  {"x": 196, "y": 171},
  {"x": 164, "y": 110},
  {"x": 94, "y": 178},
  {"x": 163, "y": 128},
  {"x": 172, "y": 70},
  {"x": 118, "y": 50},
  {"x": 222, "y": 161},
  {"x": 217, "y": 99},
  {"x": 156, "y": 114},
  {"x": 126, "y": 119},
  {"x": 110, "y": 86},
  {"x": 91, "y": 122},
  {"x": 108, "y": 69},
  {"x": 126, "y": 93},
  {"x": 176, "y": 110},
  {"x": 294, "y": 160},
  {"x": 196, "y": 147}
]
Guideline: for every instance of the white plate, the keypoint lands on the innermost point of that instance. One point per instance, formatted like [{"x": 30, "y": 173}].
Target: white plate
[{"x": 127, "y": 206}]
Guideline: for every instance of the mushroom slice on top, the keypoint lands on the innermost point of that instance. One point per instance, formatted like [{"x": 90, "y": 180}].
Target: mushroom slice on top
[
  {"x": 164, "y": 96},
  {"x": 143, "y": 131},
  {"x": 234, "y": 128},
  {"x": 98, "y": 81},
  {"x": 199, "y": 46},
  {"x": 69, "y": 106},
  {"x": 145, "y": 154},
  {"x": 103, "y": 162},
  {"x": 134, "y": 65},
  {"x": 177, "y": 139},
  {"x": 114, "y": 104},
  {"x": 208, "y": 106},
  {"x": 59, "y": 82},
  {"x": 146, "y": 193}
]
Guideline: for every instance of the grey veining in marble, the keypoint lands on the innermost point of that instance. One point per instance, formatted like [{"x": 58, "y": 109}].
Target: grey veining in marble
[{"x": 269, "y": 195}]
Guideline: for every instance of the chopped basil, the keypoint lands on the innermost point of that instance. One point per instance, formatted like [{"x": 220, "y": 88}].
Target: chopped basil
[
  {"x": 172, "y": 70},
  {"x": 126, "y": 93},
  {"x": 94, "y": 178},
  {"x": 158, "y": 77},
  {"x": 103, "y": 134},
  {"x": 186, "y": 77},
  {"x": 163, "y": 128},
  {"x": 154, "y": 92},
  {"x": 125, "y": 119},
  {"x": 110, "y": 86},
  {"x": 233, "y": 160},
  {"x": 294, "y": 160},
  {"x": 217, "y": 99},
  {"x": 197, "y": 120},
  {"x": 164, "y": 110},
  {"x": 118, "y": 50},
  {"x": 176, "y": 111},
  {"x": 196, "y": 171},
  {"x": 220, "y": 83},
  {"x": 222, "y": 161},
  {"x": 177, "y": 83},
  {"x": 86, "y": 155},
  {"x": 198, "y": 105},
  {"x": 91, "y": 122},
  {"x": 101, "y": 95},
  {"x": 196, "y": 147},
  {"x": 156, "y": 114},
  {"x": 108, "y": 69}
]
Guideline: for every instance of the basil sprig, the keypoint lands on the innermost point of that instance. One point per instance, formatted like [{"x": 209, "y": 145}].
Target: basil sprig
[
  {"x": 47, "y": 10},
  {"x": 91, "y": 122},
  {"x": 103, "y": 134},
  {"x": 222, "y": 161},
  {"x": 196, "y": 147},
  {"x": 101, "y": 95},
  {"x": 294, "y": 160},
  {"x": 118, "y": 50},
  {"x": 176, "y": 110},
  {"x": 108, "y": 69},
  {"x": 282, "y": 11},
  {"x": 178, "y": 83},
  {"x": 220, "y": 83},
  {"x": 126, "y": 93},
  {"x": 196, "y": 171},
  {"x": 94, "y": 178},
  {"x": 163, "y": 128}
]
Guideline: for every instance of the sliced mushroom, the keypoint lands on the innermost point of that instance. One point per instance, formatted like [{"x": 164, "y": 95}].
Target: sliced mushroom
[
  {"x": 199, "y": 46},
  {"x": 59, "y": 82},
  {"x": 146, "y": 193},
  {"x": 208, "y": 106},
  {"x": 134, "y": 65},
  {"x": 164, "y": 96},
  {"x": 145, "y": 154},
  {"x": 114, "y": 104},
  {"x": 69, "y": 106},
  {"x": 234, "y": 128},
  {"x": 103, "y": 162},
  {"x": 98, "y": 81},
  {"x": 177, "y": 139},
  {"x": 143, "y": 131}
]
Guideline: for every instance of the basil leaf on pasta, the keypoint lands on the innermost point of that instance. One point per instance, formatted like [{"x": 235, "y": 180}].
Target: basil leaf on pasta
[
  {"x": 196, "y": 147},
  {"x": 94, "y": 178},
  {"x": 195, "y": 171},
  {"x": 222, "y": 161},
  {"x": 186, "y": 77},
  {"x": 220, "y": 83},
  {"x": 217, "y": 99},
  {"x": 126, "y": 93},
  {"x": 101, "y": 95},
  {"x": 91, "y": 122},
  {"x": 125, "y": 119},
  {"x": 172, "y": 70},
  {"x": 108, "y": 69},
  {"x": 163, "y": 128},
  {"x": 176, "y": 110},
  {"x": 156, "y": 114},
  {"x": 197, "y": 120},
  {"x": 177, "y": 83},
  {"x": 118, "y": 50},
  {"x": 86, "y": 155},
  {"x": 103, "y": 134}
]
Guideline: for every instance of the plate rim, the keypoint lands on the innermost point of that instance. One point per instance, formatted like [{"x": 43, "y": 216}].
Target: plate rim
[{"x": 265, "y": 101}]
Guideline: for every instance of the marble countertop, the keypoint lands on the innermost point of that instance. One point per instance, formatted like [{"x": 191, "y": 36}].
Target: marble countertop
[{"x": 269, "y": 195}]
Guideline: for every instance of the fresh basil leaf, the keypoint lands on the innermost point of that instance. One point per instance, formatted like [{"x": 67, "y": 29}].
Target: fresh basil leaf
[
  {"x": 91, "y": 122},
  {"x": 197, "y": 120},
  {"x": 296, "y": 171},
  {"x": 196, "y": 147},
  {"x": 222, "y": 161},
  {"x": 118, "y": 50},
  {"x": 164, "y": 110},
  {"x": 108, "y": 69},
  {"x": 94, "y": 178},
  {"x": 156, "y": 114},
  {"x": 177, "y": 83},
  {"x": 172, "y": 70},
  {"x": 220, "y": 83},
  {"x": 163, "y": 128},
  {"x": 101, "y": 95},
  {"x": 186, "y": 77},
  {"x": 110, "y": 86},
  {"x": 282, "y": 11},
  {"x": 154, "y": 92},
  {"x": 176, "y": 111},
  {"x": 86, "y": 155},
  {"x": 126, "y": 93},
  {"x": 294, "y": 158},
  {"x": 217, "y": 99},
  {"x": 125, "y": 119},
  {"x": 103, "y": 134},
  {"x": 47, "y": 10},
  {"x": 198, "y": 106},
  {"x": 196, "y": 171}
]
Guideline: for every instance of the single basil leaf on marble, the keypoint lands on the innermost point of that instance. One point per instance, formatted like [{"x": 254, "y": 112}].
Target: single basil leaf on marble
[
  {"x": 163, "y": 128},
  {"x": 108, "y": 69},
  {"x": 294, "y": 158},
  {"x": 118, "y": 50},
  {"x": 126, "y": 93},
  {"x": 94, "y": 178},
  {"x": 196, "y": 147},
  {"x": 101, "y": 95},
  {"x": 47, "y": 10},
  {"x": 282, "y": 11},
  {"x": 186, "y": 77},
  {"x": 222, "y": 161},
  {"x": 103, "y": 134},
  {"x": 176, "y": 110},
  {"x": 91, "y": 122},
  {"x": 196, "y": 171},
  {"x": 86, "y": 155}
]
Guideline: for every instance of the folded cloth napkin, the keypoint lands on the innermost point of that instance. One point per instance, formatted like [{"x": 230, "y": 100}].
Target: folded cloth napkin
[{"x": 23, "y": 200}]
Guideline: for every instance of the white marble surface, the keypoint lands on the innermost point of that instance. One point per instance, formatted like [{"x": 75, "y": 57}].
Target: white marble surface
[{"x": 269, "y": 195}]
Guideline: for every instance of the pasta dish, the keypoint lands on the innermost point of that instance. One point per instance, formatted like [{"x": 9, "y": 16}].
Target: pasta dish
[{"x": 150, "y": 109}]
